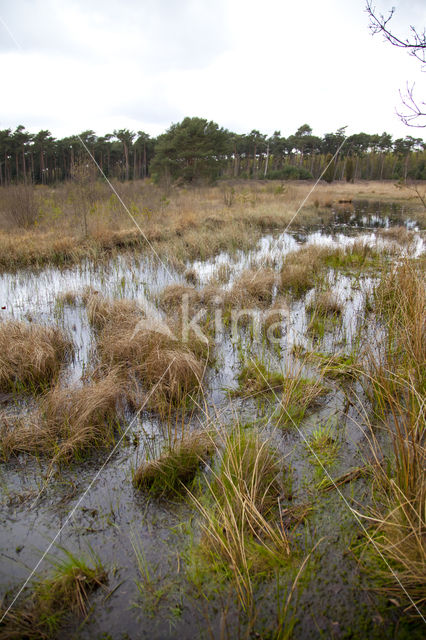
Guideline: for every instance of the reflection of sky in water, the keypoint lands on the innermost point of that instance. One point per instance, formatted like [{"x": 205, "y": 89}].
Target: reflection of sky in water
[
  {"x": 27, "y": 294},
  {"x": 33, "y": 294}
]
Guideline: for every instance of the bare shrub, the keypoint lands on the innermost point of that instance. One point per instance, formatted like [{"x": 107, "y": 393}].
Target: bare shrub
[
  {"x": 19, "y": 206},
  {"x": 84, "y": 193}
]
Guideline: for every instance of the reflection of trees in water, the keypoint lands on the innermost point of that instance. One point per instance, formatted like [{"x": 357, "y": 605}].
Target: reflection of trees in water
[{"x": 367, "y": 213}]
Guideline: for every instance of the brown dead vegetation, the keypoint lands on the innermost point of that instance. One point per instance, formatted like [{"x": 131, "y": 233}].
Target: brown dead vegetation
[
  {"x": 398, "y": 234},
  {"x": 173, "y": 295},
  {"x": 31, "y": 355},
  {"x": 100, "y": 310},
  {"x": 300, "y": 269},
  {"x": 71, "y": 421},
  {"x": 253, "y": 287},
  {"x": 325, "y": 303},
  {"x": 180, "y": 231},
  {"x": 148, "y": 351}
]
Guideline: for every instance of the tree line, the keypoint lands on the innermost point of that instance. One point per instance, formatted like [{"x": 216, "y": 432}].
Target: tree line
[{"x": 197, "y": 149}]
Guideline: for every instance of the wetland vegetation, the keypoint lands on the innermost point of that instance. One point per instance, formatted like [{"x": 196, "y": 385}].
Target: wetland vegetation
[{"x": 225, "y": 412}]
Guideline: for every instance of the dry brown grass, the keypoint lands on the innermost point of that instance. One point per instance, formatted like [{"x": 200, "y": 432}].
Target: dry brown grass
[
  {"x": 177, "y": 465},
  {"x": 101, "y": 310},
  {"x": 297, "y": 278},
  {"x": 212, "y": 295},
  {"x": 325, "y": 303},
  {"x": 301, "y": 268},
  {"x": 398, "y": 234},
  {"x": 71, "y": 421},
  {"x": 172, "y": 296},
  {"x": 25, "y": 434},
  {"x": 85, "y": 416},
  {"x": 67, "y": 297},
  {"x": 252, "y": 287},
  {"x": 176, "y": 372},
  {"x": 149, "y": 351},
  {"x": 31, "y": 355},
  {"x": 182, "y": 230}
]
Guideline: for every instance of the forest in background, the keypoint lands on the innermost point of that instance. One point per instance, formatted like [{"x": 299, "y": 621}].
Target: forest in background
[{"x": 198, "y": 149}]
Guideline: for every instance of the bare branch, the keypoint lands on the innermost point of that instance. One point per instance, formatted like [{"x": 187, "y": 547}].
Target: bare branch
[
  {"x": 414, "y": 114},
  {"x": 414, "y": 110},
  {"x": 416, "y": 45}
]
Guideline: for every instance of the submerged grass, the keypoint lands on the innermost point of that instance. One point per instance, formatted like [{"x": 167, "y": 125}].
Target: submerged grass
[{"x": 338, "y": 366}]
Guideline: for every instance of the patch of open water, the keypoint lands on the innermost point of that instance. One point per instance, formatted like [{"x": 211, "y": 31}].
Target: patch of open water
[{"x": 113, "y": 509}]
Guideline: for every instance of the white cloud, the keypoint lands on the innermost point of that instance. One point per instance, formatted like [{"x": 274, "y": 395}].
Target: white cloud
[{"x": 144, "y": 64}]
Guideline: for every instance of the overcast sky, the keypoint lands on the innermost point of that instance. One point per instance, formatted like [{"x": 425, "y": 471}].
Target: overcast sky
[{"x": 71, "y": 65}]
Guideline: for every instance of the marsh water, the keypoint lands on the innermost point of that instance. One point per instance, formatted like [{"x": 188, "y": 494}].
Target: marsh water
[{"x": 93, "y": 505}]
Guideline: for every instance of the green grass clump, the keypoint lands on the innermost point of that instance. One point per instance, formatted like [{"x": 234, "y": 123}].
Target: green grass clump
[
  {"x": 242, "y": 536},
  {"x": 358, "y": 256},
  {"x": 323, "y": 445},
  {"x": 299, "y": 394},
  {"x": 67, "y": 590},
  {"x": 176, "y": 466},
  {"x": 255, "y": 378}
]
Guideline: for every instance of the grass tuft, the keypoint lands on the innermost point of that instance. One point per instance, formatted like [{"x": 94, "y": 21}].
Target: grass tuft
[
  {"x": 255, "y": 378},
  {"x": 323, "y": 443},
  {"x": 72, "y": 421},
  {"x": 176, "y": 466},
  {"x": 243, "y": 536},
  {"x": 66, "y": 591},
  {"x": 252, "y": 287},
  {"x": 299, "y": 395},
  {"x": 31, "y": 355}
]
